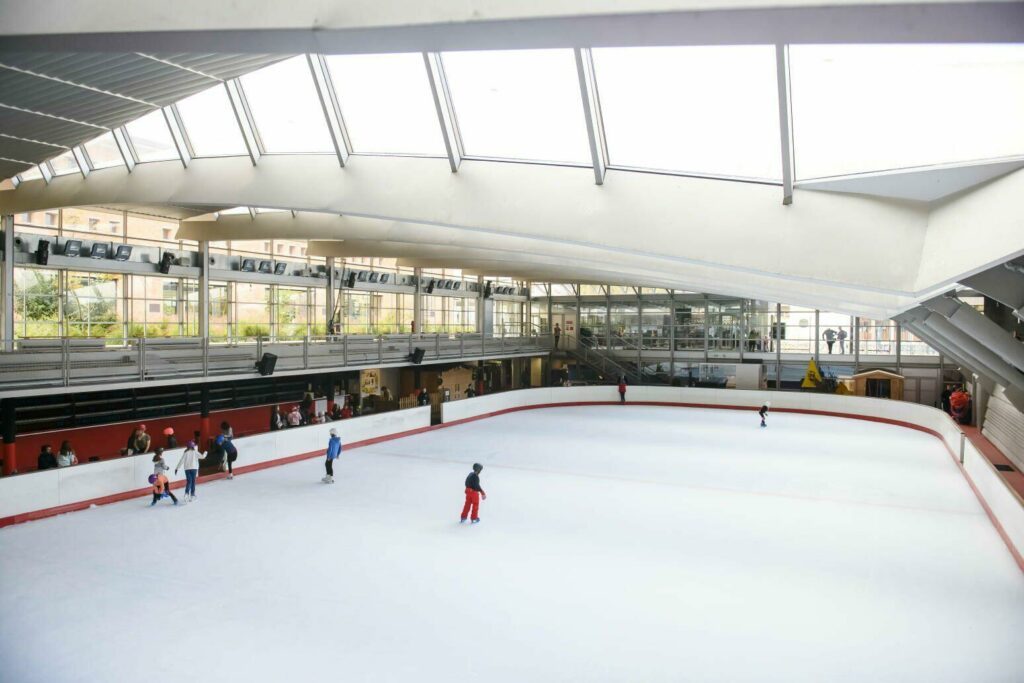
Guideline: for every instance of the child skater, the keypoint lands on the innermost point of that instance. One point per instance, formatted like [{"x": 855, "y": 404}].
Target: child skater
[
  {"x": 764, "y": 412},
  {"x": 161, "y": 487},
  {"x": 159, "y": 466},
  {"x": 333, "y": 451},
  {"x": 473, "y": 495},
  {"x": 190, "y": 463}
]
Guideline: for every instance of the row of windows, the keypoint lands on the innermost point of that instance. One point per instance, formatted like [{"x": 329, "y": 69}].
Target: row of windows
[
  {"x": 52, "y": 303},
  {"x": 709, "y": 110},
  {"x": 752, "y": 326}
]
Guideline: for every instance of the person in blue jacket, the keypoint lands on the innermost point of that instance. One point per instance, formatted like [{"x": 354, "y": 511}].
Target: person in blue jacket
[{"x": 333, "y": 451}]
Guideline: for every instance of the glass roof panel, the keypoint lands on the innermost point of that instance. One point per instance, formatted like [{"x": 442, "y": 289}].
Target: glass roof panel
[
  {"x": 31, "y": 174},
  {"x": 286, "y": 108},
  {"x": 859, "y": 108},
  {"x": 64, "y": 164},
  {"x": 151, "y": 138},
  {"x": 701, "y": 110},
  {"x": 387, "y": 103},
  {"x": 103, "y": 151},
  {"x": 520, "y": 104},
  {"x": 210, "y": 123}
]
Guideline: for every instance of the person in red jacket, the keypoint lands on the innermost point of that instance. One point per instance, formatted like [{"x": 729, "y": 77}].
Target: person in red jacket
[
  {"x": 473, "y": 495},
  {"x": 622, "y": 390}
]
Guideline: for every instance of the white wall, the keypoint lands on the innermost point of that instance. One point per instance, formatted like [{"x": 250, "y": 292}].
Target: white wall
[
  {"x": 1004, "y": 504},
  {"x": 36, "y": 491}
]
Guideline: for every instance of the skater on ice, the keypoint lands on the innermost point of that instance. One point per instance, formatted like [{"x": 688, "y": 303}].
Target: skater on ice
[
  {"x": 333, "y": 451},
  {"x": 159, "y": 466},
  {"x": 764, "y": 412},
  {"x": 161, "y": 488},
  {"x": 189, "y": 461},
  {"x": 473, "y": 495}
]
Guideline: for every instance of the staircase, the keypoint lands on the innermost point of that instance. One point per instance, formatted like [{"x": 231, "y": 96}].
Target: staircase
[{"x": 601, "y": 361}]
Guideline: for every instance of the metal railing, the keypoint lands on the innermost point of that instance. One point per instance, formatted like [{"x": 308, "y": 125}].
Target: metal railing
[
  {"x": 600, "y": 360},
  {"x": 81, "y": 361}
]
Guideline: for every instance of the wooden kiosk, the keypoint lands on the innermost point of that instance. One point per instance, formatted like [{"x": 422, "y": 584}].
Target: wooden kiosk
[{"x": 878, "y": 384}]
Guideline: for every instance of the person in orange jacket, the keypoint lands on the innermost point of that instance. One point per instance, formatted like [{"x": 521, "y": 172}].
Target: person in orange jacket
[
  {"x": 161, "y": 487},
  {"x": 959, "y": 404}
]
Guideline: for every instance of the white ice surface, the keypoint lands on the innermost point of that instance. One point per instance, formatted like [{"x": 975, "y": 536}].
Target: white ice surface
[{"x": 617, "y": 544}]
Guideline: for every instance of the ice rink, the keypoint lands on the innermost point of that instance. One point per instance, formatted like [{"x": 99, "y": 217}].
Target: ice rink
[{"x": 617, "y": 544}]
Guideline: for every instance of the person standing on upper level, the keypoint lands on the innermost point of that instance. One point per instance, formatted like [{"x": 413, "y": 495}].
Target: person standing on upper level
[{"x": 558, "y": 334}]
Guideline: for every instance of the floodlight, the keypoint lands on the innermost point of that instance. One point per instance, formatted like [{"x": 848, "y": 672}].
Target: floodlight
[
  {"x": 266, "y": 267},
  {"x": 99, "y": 250},
  {"x": 248, "y": 265},
  {"x": 280, "y": 268},
  {"x": 123, "y": 253},
  {"x": 72, "y": 248}
]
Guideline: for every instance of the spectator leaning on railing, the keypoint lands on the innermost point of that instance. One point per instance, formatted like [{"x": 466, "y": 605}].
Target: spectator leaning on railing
[{"x": 66, "y": 457}]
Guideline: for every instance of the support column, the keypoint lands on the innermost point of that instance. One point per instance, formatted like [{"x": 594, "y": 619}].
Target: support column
[
  {"x": 817, "y": 338},
  {"x": 856, "y": 345},
  {"x": 417, "y": 304},
  {"x": 640, "y": 333},
  {"x": 671, "y": 335},
  {"x": 327, "y": 387},
  {"x": 7, "y": 284},
  {"x": 899, "y": 350},
  {"x": 8, "y": 428},
  {"x": 778, "y": 346},
  {"x": 204, "y": 413},
  {"x": 204, "y": 289},
  {"x": 481, "y": 305},
  {"x": 329, "y": 306},
  {"x": 707, "y": 327}
]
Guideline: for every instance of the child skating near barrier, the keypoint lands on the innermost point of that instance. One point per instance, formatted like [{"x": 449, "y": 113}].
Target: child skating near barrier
[{"x": 161, "y": 488}]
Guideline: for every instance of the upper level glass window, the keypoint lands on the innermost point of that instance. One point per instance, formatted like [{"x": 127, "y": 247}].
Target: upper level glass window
[
  {"x": 861, "y": 108},
  {"x": 151, "y": 138},
  {"x": 103, "y": 151},
  {"x": 387, "y": 103},
  {"x": 64, "y": 164},
  {"x": 286, "y": 108},
  {"x": 519, "y": 104},
  {"x": 701, "y": 110},
  {"x": 210, "y": 124}
]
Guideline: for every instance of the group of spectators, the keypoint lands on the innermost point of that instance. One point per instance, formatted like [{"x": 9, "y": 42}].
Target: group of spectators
[
  {"x": 64, "y": 458},
  {"x": 305, "y": 413}
]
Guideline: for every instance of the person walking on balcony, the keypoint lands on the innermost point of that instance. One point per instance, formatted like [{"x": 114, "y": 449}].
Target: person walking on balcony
[
  {"x": 622, "y": 389},
  {"x": 474, "y": 492},
  {"x": 189, "y": 461},
  {"x": 829, "y": 336},
  {"x": 558, "y": 334},
  {"x": 333, "y": 453},
  {"x": 842, "y": 341}
]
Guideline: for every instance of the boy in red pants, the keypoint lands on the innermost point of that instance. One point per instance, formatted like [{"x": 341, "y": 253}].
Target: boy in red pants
[{"x": 473, "y": 495}]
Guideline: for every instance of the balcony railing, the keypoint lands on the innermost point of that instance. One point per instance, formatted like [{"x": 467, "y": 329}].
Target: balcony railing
[{"x": 69, "y": 362}]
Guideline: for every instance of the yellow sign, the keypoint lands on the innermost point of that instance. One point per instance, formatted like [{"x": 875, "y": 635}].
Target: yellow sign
[{"x": 813, "y": 377}]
